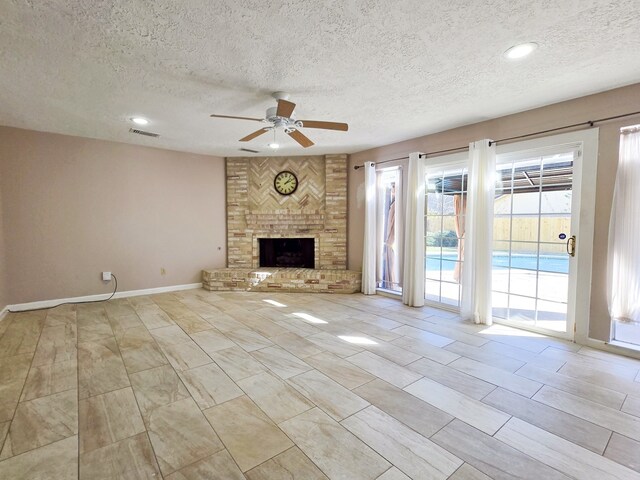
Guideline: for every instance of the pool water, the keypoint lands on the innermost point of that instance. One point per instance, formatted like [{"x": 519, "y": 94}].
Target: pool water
[{"x": 548, "y": 262}]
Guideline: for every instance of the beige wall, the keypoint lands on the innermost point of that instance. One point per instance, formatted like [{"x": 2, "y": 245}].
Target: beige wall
[
  {"x": 614, "y": 102},
  {"x": 74, "y": 207}
]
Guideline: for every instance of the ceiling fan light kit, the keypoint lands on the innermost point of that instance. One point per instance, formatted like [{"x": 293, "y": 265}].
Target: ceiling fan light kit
[{"x": 282, "y": 117}]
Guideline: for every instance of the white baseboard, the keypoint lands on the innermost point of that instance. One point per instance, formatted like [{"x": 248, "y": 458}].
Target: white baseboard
[
  {"x": 4, "y": 312},
  {"x": 19, "y": 307}
]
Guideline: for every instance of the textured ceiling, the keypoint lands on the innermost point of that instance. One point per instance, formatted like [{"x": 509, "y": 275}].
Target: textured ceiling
[{"x": 392, "y": 70}]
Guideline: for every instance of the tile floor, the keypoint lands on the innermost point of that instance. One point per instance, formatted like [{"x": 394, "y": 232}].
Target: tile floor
[{"x": 201, "y": 385}]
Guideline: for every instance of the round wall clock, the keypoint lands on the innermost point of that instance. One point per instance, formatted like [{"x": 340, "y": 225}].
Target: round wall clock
[{"x": 285, "y": 182}]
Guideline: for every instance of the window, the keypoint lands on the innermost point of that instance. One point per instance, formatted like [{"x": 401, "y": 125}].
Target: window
[
  {"x": 445, "y": 208},
  {"x": 389, "y": 229},
  {"x": 624, "y": 250}
]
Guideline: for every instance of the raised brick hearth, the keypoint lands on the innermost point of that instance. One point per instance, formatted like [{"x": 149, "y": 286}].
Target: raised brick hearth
[{"x": 281, "y": 280}]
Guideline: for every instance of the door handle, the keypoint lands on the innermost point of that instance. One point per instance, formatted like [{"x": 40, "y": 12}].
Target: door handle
[{"x": 571, "y": 246}]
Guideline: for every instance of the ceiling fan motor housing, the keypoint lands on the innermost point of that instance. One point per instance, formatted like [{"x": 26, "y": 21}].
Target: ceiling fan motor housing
[{"x": 288, "y": 124}]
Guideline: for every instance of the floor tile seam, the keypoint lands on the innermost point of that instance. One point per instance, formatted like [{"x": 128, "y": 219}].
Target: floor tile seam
[
  {"x": 580, "y": 381},
  {"x": 298, "y": 446},
  {"x": 470, "y": 376},
  {"x": 612, "y": 361},
  {"x": 180, "y": 373},
  {"x": 586, "y": 419},
  {"x": 599, "y": 371},
  {"x": 452, "y": 339},
  {"x": 534, "y": 355},
  {"x": 365, "y": 383},
  {"x": 149, "y": 368},
  {"x": 26, "y": 452},
  {"x": 153, "y": 341},
  {"x": 589, "y": 401},
  {"x": 601, "y": 361},
  {"x": 562, "y": 412},
  {"x": 263, "y": 411},
  {"x": 265, "y": 414},
  {"x": 441, "y": 347},
  {"x": 540, "y": 461},
  {"x": 380, "y": 378},
  {"x": 403, "y": 422},
  {"x": 462, "y": 355},
  {"x": 410, "y": 428},
  {"x": 501, "y": 386},
  {"x": 224, "y": 449},
  {"x": 48, "y": 395},
  {"x": 27, "y": 376},
  {"x": 24, "y": 381},
  {"x": 609, "y": 441},
  {"x": 626, "y": 397},
  {"x": 82, "y": 453},
  {"x": 455, "y": 391},
  {"x": 39, "y": 446},
  {"x": 297, "y": 388},
  {"x": 625, "y": 392},
  {"x": 144, "y": 423},
  {"x": 376, "y": 451},
  {"x": 113, "y": 390},
  {"x": 273, "y": 371}
]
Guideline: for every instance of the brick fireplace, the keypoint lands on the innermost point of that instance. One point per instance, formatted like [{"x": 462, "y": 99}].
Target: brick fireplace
[{"x": 317, "y": 209}]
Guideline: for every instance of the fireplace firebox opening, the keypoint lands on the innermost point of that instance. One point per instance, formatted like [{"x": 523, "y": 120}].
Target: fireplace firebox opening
[{"x": 287, "y": 252}]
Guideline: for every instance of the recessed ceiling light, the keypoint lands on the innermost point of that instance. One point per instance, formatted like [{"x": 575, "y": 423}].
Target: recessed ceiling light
[
  {"x": 274, "y": 145},
  {"x": 520, "y": 51},
  {"x": 140, "y": 121}
]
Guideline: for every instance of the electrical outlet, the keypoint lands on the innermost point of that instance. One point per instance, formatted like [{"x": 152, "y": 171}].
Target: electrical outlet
[
  {"x": 162, "y": 271},
  {"x": 106, "y": 276}
]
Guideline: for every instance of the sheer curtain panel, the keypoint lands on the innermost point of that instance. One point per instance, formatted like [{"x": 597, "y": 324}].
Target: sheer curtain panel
[
  {"x": 369, "y": 250},
  {"x": 414, "y": 247},
  {"x": 624, "y": 228},
  {"x": 478, "y": 244}
]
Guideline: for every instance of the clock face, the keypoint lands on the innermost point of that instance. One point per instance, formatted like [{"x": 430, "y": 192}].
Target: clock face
[{"x": 285, "y": 183}]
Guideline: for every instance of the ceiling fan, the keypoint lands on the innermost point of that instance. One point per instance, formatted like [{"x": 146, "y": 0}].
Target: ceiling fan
[{"x": 283, "y": 117}]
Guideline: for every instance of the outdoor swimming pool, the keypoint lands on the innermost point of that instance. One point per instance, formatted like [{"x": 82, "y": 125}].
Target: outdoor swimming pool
[{"x": 547, "y": 262}]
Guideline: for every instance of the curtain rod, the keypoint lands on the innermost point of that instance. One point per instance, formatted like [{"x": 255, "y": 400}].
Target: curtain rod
[{"x": 587, "y": 124}]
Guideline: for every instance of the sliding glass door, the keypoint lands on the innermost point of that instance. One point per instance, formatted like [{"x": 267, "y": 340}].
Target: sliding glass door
[{"x": 541, "y": 262}]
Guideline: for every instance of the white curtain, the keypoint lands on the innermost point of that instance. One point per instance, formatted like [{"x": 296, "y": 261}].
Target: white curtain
[
  {"x": 369, "y": 251},
  {"x": 478, "y": 244},
  {"x": 624, "y": 227},
  {"x": 414, "y": 246}
]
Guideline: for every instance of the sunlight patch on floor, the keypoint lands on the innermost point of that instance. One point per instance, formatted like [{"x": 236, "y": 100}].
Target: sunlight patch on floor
[
  {"x": 274, "y": 303},
  {"x": 357, "y": 340},
  {"x": 309, "y": 318}
]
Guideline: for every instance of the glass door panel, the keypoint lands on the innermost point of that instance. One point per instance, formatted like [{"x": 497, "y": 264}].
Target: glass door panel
[
  {"x": 445, "y": 208},
  {"x": 532, "y": 223},
  {"x": 389, "y": 265}
]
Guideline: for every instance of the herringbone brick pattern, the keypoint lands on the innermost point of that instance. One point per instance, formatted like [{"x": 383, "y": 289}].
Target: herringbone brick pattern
[{"x": 308, "y": 198}]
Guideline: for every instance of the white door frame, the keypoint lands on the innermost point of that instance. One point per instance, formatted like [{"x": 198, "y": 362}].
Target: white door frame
[{"x": 582, "y": 216}]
